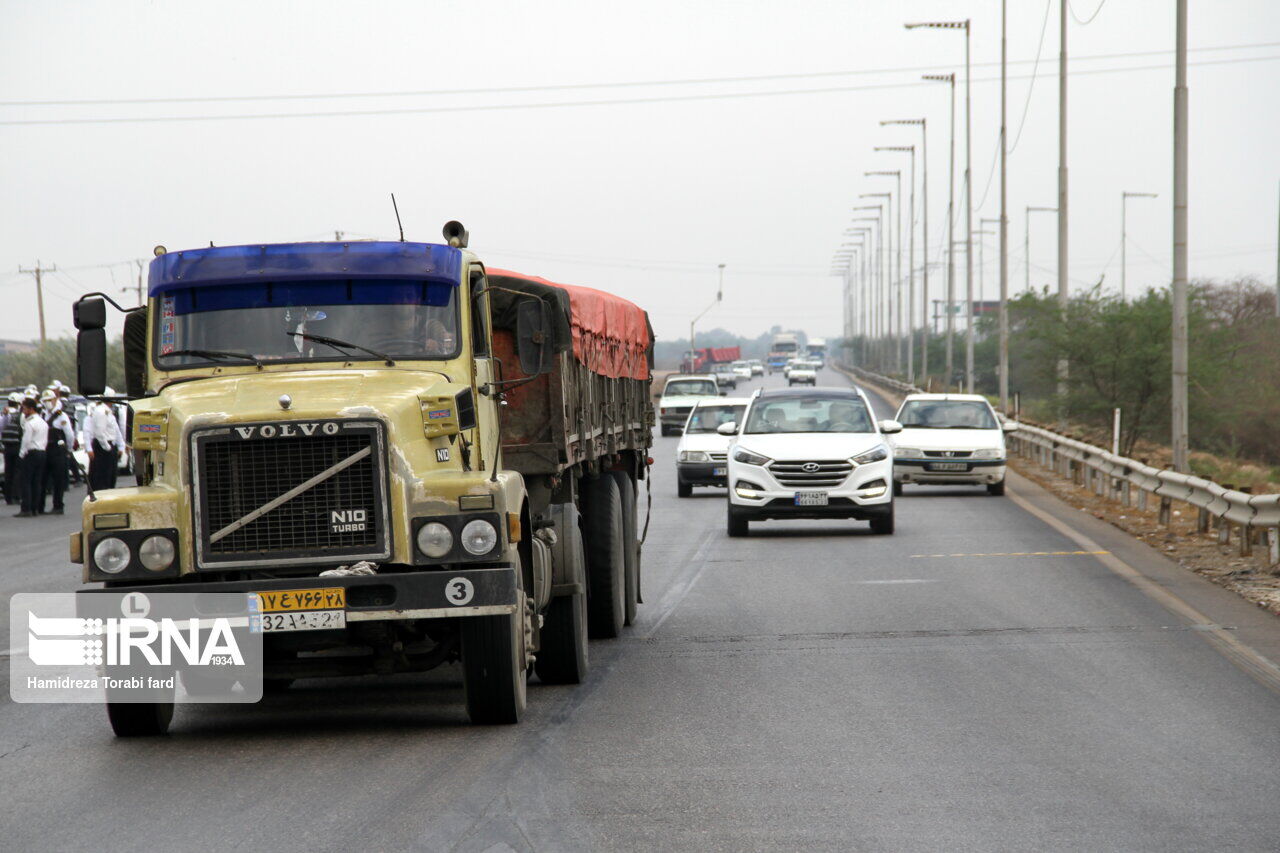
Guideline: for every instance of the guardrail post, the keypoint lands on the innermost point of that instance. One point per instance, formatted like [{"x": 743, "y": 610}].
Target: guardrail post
[
  {"x": 1126, "y": 493},
  {"x": 1166, "y": 504},
  {"x": 1273, "y": 545},
  {"x": 1142, "y": 499},
  {"x": 1246, "y": 540},
  {"x": 1224, "y": 532}
]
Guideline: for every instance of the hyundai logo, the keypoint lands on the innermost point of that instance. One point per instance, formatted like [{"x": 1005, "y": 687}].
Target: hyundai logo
[{"x": 811, "y": 467}]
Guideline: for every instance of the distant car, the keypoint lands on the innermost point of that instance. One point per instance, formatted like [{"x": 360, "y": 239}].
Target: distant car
[
  {"x": 757, "y": 367},
  {"x": 802, "y": 373},
  {"x": 742, "y": 370},
  {"x": 701, "y": 456},
  {"x": 724, "y": 375},
  {"x": 950, "y": 440},
  {"x": 679, "y": 396},
  {"x": 786, "y": 367},
  {"x": 812, "y": 453}
]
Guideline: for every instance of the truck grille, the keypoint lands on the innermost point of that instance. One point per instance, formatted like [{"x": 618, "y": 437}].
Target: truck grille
[
  {"x": 323, "y": 492},
  {"x": 820, "y": 474}
]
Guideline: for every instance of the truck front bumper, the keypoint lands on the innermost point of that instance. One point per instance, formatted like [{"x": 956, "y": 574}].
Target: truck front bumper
[{"x": 436, "y": 594}]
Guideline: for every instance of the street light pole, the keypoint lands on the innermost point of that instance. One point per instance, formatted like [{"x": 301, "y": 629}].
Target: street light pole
[
  {"x": 1124, "y": 238},
  {"x": 982, "y": 264},
  {"x": 692, "y": 346},
  {"x": 911, "y": 264},
  {"x": 882, "y": 298},
  {"x": 1064, "y": 295},
  {"x": 895, "y": 321},
  {"x": 1178, "y": 409},
  {"x": 924, "y": 254},
  {"x": 1003, "y": 367},
  {"x": 868, "y": 278},
  {"x": 951, "y": 231}
]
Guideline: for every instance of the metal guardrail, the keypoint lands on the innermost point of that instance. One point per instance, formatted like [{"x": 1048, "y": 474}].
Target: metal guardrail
[{"x": 1108, "y": 474}]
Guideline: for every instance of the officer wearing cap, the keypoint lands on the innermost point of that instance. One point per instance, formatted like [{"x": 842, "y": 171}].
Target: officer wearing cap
[
  {"x": 11, "y": 439},
  {"x": 61, "y": 439},
  {"x": 35, "y": 435}
]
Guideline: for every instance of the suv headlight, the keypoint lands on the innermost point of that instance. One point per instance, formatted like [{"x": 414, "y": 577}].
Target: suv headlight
[
  {"x": 748, "y": 458},
  {"x": 694, "y": 456},
  {"x": 111, "y": 555},
  {"x": 989, "y": 453},
  {"x": 875, "y": 454},
  {"x": 479, "y": 537},
  {"x": 907, "y": 453}
]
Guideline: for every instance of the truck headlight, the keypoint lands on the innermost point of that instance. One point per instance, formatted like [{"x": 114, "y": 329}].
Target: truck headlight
[
  {"x": 748, "y": 458},
  {"x": 875, "y": 454},
  {"x": 989, "y": 453},
  {"x": 111, "y": 555},
  {"x": 479, "y": 537},
  {"x": 694, "y": 456},
  {"x": 434, "y": 539},
  {"x": 156, "y": 553}
]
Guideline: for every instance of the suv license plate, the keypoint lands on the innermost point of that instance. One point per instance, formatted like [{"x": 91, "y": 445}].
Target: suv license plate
[{"x": 811, "y": 498}]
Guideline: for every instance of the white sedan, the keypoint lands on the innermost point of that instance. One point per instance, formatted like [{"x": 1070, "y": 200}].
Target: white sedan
[{"x": 949, "y": 439}]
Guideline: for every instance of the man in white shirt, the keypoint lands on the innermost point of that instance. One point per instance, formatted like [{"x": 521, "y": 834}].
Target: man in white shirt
[
  {"x": 61, "y": 441},
  {"x": 104, "y": 441},
  {"x": 35, "y": 437}
]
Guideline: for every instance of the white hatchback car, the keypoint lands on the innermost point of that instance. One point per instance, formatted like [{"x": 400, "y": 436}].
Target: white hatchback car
[
  {"x": 816, "y": 453},
  {"x": 949, "y": 439},
  {"x": 702, "y": 454}
]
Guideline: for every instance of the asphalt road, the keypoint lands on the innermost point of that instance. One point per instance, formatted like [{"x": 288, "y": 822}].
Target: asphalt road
[{"x": 810, "y": 687}]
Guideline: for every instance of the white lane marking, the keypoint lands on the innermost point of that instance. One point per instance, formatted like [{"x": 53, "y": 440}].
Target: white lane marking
[
  {"x": 680, "y": 588},
  {"x": 903, "y": 580}
]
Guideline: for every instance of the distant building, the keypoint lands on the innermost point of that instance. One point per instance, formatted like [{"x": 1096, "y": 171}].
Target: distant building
[{"x": 7, "y": 347}]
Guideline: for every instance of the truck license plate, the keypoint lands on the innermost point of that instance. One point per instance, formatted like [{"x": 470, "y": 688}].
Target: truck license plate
[
  {"x": 811, "y": 498},
  {"x": 304, "y": 620},
  {"x": 948, "y": 466},
  {"x": 303, "y": 609},
  {"x": 718, "y": 472}
]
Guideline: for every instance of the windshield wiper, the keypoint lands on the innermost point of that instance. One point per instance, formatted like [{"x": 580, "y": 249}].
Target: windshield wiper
[
  {"x": 338, "y": 345},
  {"x": 216, "y": 354}
]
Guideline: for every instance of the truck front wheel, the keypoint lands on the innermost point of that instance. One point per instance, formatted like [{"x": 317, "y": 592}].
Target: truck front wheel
[
  {"x": 604, "y": 535},
  {"x": 139, "y": 719},
  {"x": 494, "y": 665}
]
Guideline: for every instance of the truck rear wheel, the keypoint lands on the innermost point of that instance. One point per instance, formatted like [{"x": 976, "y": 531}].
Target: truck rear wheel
[
  {"x": 631, "y": 545},
  {"x": 604, "y": 535},
  {"x": 139, "y": 719},
  {"x": 494, "y": 664},
  {"x": 562, "y": 659}
]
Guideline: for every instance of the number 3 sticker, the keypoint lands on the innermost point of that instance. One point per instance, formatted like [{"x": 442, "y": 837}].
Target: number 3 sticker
[{"x": 459, "y": 591}]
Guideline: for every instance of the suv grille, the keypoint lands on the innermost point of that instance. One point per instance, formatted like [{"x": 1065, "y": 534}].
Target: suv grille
[
  {"x": 793, "y": 474},
  {"x": 238, "y": 472}
]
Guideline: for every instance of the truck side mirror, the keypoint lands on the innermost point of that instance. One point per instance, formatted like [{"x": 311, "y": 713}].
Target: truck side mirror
[
  {"x": 90, "y": 317},
  {"x": 533, "y": 336}
]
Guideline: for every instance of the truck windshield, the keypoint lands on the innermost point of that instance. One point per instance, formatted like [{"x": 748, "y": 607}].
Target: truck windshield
[
  {"x": 809, "y": 414},
  {"x": 947, "y": 414},
  {"x": 271, "y": 322},
  {"x": 691, "y": 388},
  {"x": 708, "y": 418}
]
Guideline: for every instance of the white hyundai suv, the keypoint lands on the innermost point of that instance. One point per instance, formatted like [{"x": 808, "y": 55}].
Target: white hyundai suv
[
  {"x": 949, "y": 439},
  {"x": 816, "y": 453}
]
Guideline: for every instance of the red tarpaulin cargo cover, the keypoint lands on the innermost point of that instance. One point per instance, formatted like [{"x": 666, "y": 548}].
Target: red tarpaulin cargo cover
[{"x": 611, "y": 335}]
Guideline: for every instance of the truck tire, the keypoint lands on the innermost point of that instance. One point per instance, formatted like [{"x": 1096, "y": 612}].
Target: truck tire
[
  {"x": 494, "y": 668},
  {"x": 493, "y": 673},
  {"x": 562, "y": 659},
  {"x": 631, "y": 544},
  {"x": 683, "y": 489},
  {"x": 139, "y": 719},
  {"x": 738, "y": 524},
  {"x": 604, "y": 535}
]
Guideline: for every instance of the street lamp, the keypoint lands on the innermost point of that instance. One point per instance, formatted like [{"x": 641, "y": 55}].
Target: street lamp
[
  {"x": 859, "y": 315},
  {"x": 911, "y": 259},
  {"x": 719, "y": 295},
  {"x": 896, "y": 286},
  {"x": 882, "y": 296},
  {"x": 951, "y": 227},
  {"x": 1026, "y": 237},
  {"x": 875, "y": 267},
  {"x": 968, "y": 181},
  {"x": 924, "y": 295},
  {"x": 1124, "y": 236}
]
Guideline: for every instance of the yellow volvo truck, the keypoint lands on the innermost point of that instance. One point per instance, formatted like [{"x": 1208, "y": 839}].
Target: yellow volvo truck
[{"x": 400, "y": 458}]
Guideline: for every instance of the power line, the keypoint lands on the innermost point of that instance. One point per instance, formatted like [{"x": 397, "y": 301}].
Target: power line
[
  {"x": 1035, "y": 69},
  {"x": 561, "y": 87},
  {"x": 1101, "y": 3},
  {"x": 471, "y": 108}
]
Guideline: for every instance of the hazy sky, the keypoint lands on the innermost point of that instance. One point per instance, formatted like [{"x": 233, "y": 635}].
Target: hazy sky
[{"x": 642, "y": 198}]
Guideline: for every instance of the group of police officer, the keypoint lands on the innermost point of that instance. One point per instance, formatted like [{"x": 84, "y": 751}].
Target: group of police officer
[{"x": 39, "y": 436}]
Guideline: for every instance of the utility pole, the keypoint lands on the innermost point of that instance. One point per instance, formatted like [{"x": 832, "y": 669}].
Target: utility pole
[
  {"x": 1064, "y": 295},
  {"x": 1003, "y": 367},
  {"x": 1124, "y": 238},
  {"x": 924, "y": 296},
  {"x": 719, "y": 295},
  {"x": 1278, "y": 266},
  {"x": 911, "y": 254},
  {"x": 1026, "y": 237},
  {"x": 38, "y": 272},
  {"x": 982, "y": 263},
  {"x": 1178, "y": 409},
  {"x": 896, "y": 286},
  {"x": 968, "y": 214},
  {"x": 137, "y": 288}
]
